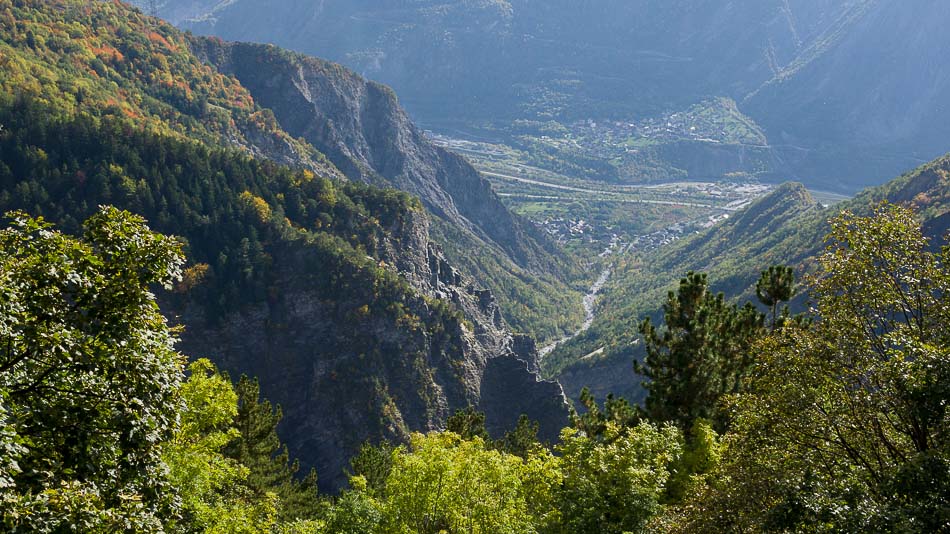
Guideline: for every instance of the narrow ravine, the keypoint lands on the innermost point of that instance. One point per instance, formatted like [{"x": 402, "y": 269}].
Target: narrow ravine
[{"x": 590, "y": 310}]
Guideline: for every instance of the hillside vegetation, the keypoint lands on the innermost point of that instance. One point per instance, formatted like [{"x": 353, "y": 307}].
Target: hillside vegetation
[
  {"x": 834, "y": 421},
  {"x": 329, "y": 290},
  {"x": 784, "y": 227}
]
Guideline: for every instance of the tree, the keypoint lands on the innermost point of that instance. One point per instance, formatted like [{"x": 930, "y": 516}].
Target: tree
[
  {"x": 521, "y": 440},
  {"x": 258, "y": 447},
  {"x": 214, "y": 489},
  {"x": 702, "y": 353},
  {"x": 88, "y": 375},
  {"x": 445, "y": 483},
  {"x": 468, "y": 423},
  {"x": 776, "y": 285},
  {"x": 615, "y": 484},
  {"x": 373, "y": 463},
  {"x": 593, "y": 422},
  {"x": 844, "y": 425}
]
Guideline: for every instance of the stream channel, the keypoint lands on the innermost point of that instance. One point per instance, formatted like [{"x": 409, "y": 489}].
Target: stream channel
[{"x": 589, "y": 300}]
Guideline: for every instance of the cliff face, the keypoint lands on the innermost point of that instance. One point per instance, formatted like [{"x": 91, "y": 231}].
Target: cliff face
[
  {"x": 364, "y": 132},
  {"x": 362, "y": 129},
  {"x": 344, "y": 377}
]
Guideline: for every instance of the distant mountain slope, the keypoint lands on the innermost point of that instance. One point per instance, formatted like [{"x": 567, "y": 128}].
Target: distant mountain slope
[
  {"x": 330, "y": 291},
  {"x": 489, "y": 59},
  {"x": 786, "y": 227},
  {"x": 850, "y": 92},
  {"x": 866, "y": 102},
  {"x": 362, "y": 129}
]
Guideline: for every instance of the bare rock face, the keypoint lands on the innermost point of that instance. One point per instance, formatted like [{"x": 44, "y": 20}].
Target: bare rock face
[
  {"x": 364, "y": 132},
  {"x": 345, "y": 371}
]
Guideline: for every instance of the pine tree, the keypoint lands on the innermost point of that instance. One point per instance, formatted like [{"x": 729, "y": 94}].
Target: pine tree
[
  {"x": 593, "y": 422},
  {"x": 776, "y": 285},
  {"x": 373, "y": 463},
  {"x": 468, "y": 423},
  {"x": 700, "y": 355},
  {"x": 521, "y": 440},
  {"x": 259, "y": 448}
]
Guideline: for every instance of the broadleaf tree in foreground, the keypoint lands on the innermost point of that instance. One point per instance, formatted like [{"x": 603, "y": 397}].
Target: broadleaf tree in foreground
[{"x": 845, "y": 424}]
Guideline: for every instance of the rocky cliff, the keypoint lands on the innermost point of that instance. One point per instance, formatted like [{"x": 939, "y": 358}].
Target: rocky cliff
[
  {"x": 364, "y": 132},
  {"x": 346, "y": 373},
  {"x": 329, "y": 290}
]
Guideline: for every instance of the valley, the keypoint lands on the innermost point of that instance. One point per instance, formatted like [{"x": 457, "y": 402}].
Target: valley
[
  {"x": 492, "y": 266},
  {"x": 588, "y": 215}
]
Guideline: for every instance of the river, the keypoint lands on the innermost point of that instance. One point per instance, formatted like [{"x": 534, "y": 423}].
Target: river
[{"x": 589, "y": 309}]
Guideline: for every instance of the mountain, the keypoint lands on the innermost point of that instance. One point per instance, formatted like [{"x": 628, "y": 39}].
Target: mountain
[
  {"x": 785, "y": 227},
  {"x": 362, "y": 129},
  {"x": 329, "y": 290},
  {"x": 865, "y": 103},
  {"x": 849, "y": 92},
  {"x": 611, "y": 56}
]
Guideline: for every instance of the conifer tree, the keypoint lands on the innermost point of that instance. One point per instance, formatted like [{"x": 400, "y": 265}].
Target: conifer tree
[
  {"x": 776, "y": 285},
  {"x": 521, "y": 440},
  {"x": 468, "y": 423},
  {"x": 259, "y": 448},
  {"x": 700, "y": 355}
]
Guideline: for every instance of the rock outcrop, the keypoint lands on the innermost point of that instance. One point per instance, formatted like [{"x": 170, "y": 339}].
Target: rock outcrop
[
  {"x": 362, "y": 129},
  {"x": 344, "y": 377}
]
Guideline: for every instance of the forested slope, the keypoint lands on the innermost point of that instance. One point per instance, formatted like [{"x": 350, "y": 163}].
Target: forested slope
[
  {"x": 330, "y": 291},
  {"x": 785, "y": 227}
]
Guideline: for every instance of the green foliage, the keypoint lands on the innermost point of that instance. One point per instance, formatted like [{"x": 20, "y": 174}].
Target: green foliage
[
  {"x": 212, "y": 487},
  {"x": 702, "y": 354},
  {"x": 615, "y": 483},
  {"x": 355, "y": 512},
  {"x": 776, "y": 285},
  {"x": 373, "y": 465},
  {"x": 701, "y": 455},
  {"x": 844, "y": 424},
  {"x": 257, "y": 446},
  {"x": 212, "y": 197},
  {"x": 88, "y": 375},
  {"x": 521, "y": 440},
  {"x": 468, "y": 423},
  {"x": 446, "y": 483},
  {"x": 593, "y": 422},
  {"x": 443, "y": 483},
  {"x": 98, "y": 431}
]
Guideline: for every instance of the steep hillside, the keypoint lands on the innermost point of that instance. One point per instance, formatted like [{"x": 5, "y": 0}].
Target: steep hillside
[
  {"x": 330, "y": 291},
  {"x": 785, "y": 227},
  {"x": 362, "y": 129},
  {"x": 107, "y": 58},
  {"x": 779, "y": 228},
  {"x": 866, "y": 102},
  {"x": 104, "y": 58}
]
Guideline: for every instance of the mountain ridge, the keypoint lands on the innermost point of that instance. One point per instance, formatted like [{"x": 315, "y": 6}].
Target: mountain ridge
[
  {"x": 273, "y": 249},
  {"x": 798, "y": 67}
]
